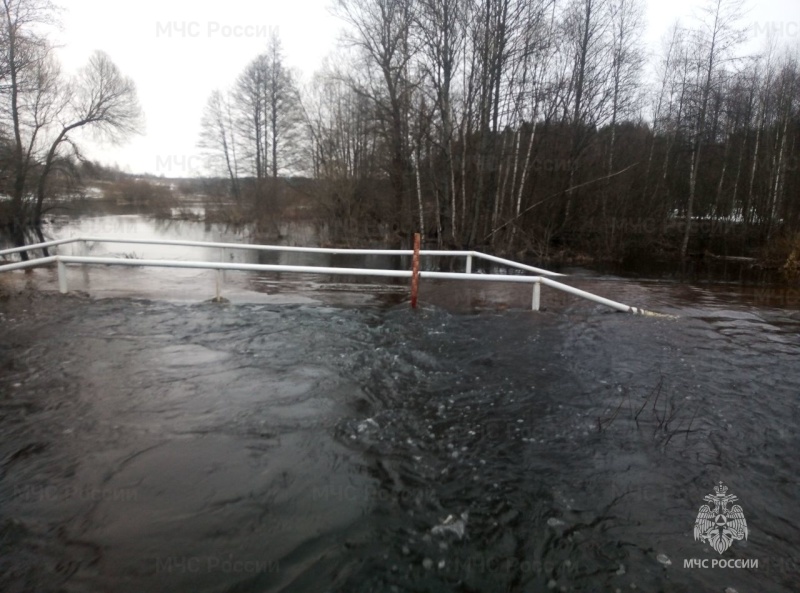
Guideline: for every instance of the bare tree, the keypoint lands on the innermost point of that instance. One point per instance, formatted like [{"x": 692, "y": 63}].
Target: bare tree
[
  {"x": 787, "y": 89},
  {"x": 345, "y": 144},
  {"x": 251, "y": 124},
  {"x": 283, "y": 111},
  {"x": 627, "y": 61},
  {"x": 42, "y": 109},
  {"x": 587, "y": 26},
  {"x": 24, "y": 55},
  {"x": 269, "y": 115},
  {"x": 441, "y": 26},
  {"x": 217, "y": 140},
  {"x": 539, "y": 50},
  {"x": 718, "y": 36},
  {"x": 381, "y": 30},
  {"x": 664, "y": 100},
  {"x": 101, "y": 100}
]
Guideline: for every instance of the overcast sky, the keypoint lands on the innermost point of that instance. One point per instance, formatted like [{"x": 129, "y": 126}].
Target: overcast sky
[{"x": 178, "y": 51}]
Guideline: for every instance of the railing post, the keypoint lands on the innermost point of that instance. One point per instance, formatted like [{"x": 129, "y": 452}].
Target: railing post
[
  {"x": 415, "y": 272},
  {"x": 537, "y": 295},
  {"x": 469, "y": 264},
  {"x": 62, "y": 277},
  {"x": 219, "y": 286}
]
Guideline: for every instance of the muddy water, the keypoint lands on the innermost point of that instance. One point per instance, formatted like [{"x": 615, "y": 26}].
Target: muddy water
[
  {"x": 150, "y": 446},
  {"x": 356, "y": 445}
]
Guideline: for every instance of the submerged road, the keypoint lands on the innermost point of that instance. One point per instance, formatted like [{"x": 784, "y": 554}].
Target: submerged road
[{"x": 156, "y": 446}]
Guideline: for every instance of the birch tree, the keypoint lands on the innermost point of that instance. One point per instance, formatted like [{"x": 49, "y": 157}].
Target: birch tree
[
  {"x": 716, "y": 39},
  {"x": 441, "y": 26}
]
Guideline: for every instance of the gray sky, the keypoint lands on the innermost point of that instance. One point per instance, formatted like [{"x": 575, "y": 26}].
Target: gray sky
[{"x": 178, "y": 51}]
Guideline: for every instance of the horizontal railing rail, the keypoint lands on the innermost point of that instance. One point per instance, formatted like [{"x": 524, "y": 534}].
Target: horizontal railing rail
[
  {"x": 286, "y": 248},
  {"x": 62, "y": 260},
  {"x": 35, "y": 246}
]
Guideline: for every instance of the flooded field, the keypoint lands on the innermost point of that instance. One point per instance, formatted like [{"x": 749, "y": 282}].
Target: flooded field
[{"x": 318, "y": 437}]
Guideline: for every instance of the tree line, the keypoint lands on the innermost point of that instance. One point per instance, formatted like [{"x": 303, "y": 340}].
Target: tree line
[
  {"x": 527, "y": 125},
  {"x": 538, "y": 126}
]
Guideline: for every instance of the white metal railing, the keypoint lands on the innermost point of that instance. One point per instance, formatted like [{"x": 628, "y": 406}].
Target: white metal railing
[{"x": 62, "y": 260}]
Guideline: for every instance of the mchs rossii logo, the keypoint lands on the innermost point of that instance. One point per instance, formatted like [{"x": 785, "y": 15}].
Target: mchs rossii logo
[{"x": 717, "y": 525}]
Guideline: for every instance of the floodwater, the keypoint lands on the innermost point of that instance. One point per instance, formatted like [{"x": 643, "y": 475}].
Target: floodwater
[{"x": 307, "y": 440}]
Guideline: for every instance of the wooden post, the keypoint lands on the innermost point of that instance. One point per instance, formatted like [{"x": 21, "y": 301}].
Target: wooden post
[{"x": 415, "y": 272}]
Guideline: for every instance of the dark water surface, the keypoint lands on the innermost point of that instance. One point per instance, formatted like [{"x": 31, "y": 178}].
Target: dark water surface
[
  {"x": 318, "y": 435},
  {"x": 156, "y": 446}
]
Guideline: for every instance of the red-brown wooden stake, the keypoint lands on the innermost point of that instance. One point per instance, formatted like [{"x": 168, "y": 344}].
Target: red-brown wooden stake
[{"x": 415, "y": 272}]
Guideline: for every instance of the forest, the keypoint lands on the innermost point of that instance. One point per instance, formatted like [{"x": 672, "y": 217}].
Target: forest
[{"x": 537, "y": 127}]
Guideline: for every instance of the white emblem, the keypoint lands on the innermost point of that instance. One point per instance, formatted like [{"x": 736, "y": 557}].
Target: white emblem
[{"x": 720, "y": 526}]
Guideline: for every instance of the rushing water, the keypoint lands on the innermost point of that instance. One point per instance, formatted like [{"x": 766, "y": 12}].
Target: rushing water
[{"x": 347, "y": 443}]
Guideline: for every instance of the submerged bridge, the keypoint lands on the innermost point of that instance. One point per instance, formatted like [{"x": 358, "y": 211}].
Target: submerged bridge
[{"x": 521, "y": 272}]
